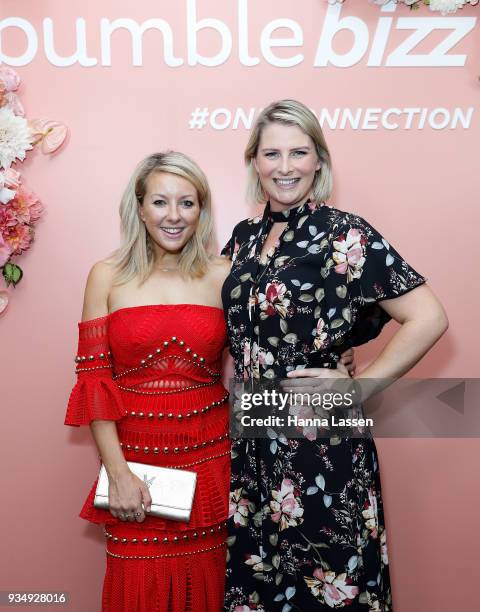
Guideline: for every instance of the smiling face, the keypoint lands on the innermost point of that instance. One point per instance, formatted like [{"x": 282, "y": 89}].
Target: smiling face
[
  {"x": 170, "y": 211},
  {"x": 286, "y": 163}
]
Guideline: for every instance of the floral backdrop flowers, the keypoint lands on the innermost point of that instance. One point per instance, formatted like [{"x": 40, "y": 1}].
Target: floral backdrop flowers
[
  {"x": 20, "y": 208},
  {"x": 443, "y": 6}
]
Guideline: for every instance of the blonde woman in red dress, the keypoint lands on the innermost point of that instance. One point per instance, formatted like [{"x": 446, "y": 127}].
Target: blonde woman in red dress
[
  {"x": 149, "y": 357},
  {"x": 148, "y": 364}
]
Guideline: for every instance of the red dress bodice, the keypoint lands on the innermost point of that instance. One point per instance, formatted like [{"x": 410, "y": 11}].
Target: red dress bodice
[{"x": 165, "y": 393}]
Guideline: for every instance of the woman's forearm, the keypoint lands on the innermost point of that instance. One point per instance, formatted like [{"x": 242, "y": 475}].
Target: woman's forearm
[
  {"x": 106, "y": 438},
  {"x": 409, "y": 344}
]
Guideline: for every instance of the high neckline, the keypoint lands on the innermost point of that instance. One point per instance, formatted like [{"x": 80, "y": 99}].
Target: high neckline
[{"x": 283, "y": 216}]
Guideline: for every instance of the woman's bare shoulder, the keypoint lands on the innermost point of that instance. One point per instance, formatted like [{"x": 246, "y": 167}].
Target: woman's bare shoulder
[{"x": 97, "y": 290}]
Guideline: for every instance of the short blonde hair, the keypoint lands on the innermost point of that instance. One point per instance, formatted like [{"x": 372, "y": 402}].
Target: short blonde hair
[
  {"x": 135, "y": 256},
  {"x": 289, "y": 112}
]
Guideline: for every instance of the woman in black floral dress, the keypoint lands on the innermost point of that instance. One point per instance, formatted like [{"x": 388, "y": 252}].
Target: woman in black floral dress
[{"x": 308, "y": 281}]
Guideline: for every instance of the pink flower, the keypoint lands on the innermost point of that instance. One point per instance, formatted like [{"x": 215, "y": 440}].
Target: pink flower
[
  {"x": 275, "y": 299},
  {"x": 18, "y": 238},
  {"x": 239, "y": 507},
  {"x": 8, "y": 218},
  {"x": 26, "y": 206},
  {"x": 9, "y": 78},
  {"x": 349, "y": 254},
  {"x": 285, "y": 506},
  {"x": 330, "y": 589},
  {"x": 246, "y": 354},
  {"x": 320, "y": 335},
  {"x": 5, "y": 251}
]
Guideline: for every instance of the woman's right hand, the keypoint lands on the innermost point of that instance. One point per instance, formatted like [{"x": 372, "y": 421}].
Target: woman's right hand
[{"x": 128, "y": 497}]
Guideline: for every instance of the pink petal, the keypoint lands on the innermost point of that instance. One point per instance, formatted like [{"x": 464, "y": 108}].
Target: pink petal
[
  {"x": 9, "y": 77},
  {"x": 341, "y": 268},
  {"x": 332, "y": 592},
  {"x": 354, "y": 255},
  {"x": 51, "y": 133},
  {"x": 13, "y": 102}
]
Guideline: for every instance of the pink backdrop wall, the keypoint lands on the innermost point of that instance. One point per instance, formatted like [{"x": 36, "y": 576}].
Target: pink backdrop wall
[{"x": 419, "y": 187}]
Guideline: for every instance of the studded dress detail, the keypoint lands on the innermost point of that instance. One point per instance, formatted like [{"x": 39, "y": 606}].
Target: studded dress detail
[{"x": 155, "y": 371}]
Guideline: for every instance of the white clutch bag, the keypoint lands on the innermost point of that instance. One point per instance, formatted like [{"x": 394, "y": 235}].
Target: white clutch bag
[{"x": 171, "y": 490}]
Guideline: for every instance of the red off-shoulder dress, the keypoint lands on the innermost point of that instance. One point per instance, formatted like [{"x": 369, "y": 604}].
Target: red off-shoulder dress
[{"x": 155, "y": 370}]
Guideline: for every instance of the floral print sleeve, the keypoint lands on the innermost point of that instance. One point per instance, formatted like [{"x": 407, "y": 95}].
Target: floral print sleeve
[{"x": 365, "y": 269}]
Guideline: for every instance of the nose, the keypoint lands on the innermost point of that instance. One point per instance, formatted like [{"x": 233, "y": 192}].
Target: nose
[
  {"x": 285, "y": 164},
  {"x": 173, "y": 212}
]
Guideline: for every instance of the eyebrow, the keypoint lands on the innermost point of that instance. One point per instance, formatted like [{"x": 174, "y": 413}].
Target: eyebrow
[
  {"x": 292, "y": 149},
  {"x": 160, "y": 195}
]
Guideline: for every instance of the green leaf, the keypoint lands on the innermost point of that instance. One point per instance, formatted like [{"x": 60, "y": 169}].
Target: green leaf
[
  {"x": 347, "y": 314},
  {"x": 341, "y": 291},
  {"x": 319, "y": 294},
  {"x": 273, "y": 340},
  {"x": 279, "y": 261},
  {"x": 289, "y": 236},
  {"x": 245, "y": 277},
  {"x": 336, "y": 323},
  {"x": 12, "y": 274},
  {"x": 306, "y": 297},
  {"x": 284, "y": 326},
  {"x": 236, "y": 292},
  {"x": 290, "y": 338}
]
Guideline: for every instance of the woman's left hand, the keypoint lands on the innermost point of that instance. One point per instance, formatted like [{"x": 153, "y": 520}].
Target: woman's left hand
[{"x": 311, "y": 380}]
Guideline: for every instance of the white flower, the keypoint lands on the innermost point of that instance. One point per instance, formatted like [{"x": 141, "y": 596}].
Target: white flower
[
  {"x": 15, "y": 138},
  {"x": 446, "y": 6}
]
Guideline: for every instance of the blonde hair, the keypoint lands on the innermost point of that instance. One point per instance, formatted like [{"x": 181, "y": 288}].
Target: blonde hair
[
  {"x": 289, "y": 112},
  {"x": 135, "y": 256}
]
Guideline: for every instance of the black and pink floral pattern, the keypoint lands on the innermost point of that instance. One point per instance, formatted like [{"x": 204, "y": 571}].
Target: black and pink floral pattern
[{"x": 306, "y": 527}]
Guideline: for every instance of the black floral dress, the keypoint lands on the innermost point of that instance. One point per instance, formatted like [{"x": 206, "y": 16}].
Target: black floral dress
[{"x": 306, "y": 526}]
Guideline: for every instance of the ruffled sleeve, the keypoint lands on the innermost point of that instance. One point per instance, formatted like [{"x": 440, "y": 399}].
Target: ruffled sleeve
[
  {"x": 372, "y": 270},
  {"x": 95, "y": 395}
]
